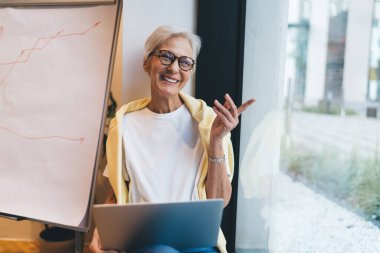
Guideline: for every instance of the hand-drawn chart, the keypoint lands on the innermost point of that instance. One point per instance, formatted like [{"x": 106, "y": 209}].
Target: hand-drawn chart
[
  {"x": 80, "y": 140},
  {"x": 23, "y": 58},
  {"x": 54, "y": 67},
  {"x": 39, "y": 45}
]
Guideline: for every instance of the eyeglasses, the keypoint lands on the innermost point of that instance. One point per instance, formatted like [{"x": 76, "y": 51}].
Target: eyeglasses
[{"x": 167, "y": 58}]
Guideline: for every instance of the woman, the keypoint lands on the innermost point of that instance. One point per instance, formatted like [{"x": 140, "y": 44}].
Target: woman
[{"x": 171, "y": 135}]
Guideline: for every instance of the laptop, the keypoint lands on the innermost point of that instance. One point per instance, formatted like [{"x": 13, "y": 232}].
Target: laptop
[{"x": 181, "y": 225}]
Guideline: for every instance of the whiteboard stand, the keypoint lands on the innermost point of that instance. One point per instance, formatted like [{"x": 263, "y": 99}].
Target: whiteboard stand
[
  {"x": 52, "y": 41},
  {"x": 78, "y": 242}
]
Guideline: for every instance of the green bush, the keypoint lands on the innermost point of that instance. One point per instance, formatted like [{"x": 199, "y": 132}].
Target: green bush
[{"x": 366, "y": 195}]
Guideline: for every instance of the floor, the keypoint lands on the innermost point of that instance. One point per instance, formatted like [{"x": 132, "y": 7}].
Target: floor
[
  {"x": 19, "y": 247},
  {"x": 22, "y": 247}
]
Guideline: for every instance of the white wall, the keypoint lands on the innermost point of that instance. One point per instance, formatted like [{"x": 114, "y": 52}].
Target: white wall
[
  {"x": 141, "y": 17},
  {"x": 117, "y": 77}
]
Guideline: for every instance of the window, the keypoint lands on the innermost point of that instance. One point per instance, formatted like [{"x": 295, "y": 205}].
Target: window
[{"x": 310, "y": 159}]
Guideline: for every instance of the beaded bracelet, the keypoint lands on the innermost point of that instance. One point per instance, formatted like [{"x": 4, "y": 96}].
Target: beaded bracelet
[{"x": 217, "y": 160}]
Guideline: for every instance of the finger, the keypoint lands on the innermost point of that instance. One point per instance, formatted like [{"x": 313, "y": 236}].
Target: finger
[
  {"x": 224, "y": 111},
  {"x": 223, "y": 118},
  {"x": 232, "y": 107},
  {"x": 227, "y": 105},
  {"x": 244, "y": 106}
]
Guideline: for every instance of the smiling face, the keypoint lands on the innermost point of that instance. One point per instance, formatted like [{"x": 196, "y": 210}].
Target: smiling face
[{"x": 167, "y": 81}]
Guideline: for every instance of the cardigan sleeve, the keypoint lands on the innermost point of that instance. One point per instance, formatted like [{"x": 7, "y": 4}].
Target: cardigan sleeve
[{"x": 114, "y": 160}]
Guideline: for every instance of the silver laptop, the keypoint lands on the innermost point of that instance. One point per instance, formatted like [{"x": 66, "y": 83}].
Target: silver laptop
[{"x": 181, "y": 225}]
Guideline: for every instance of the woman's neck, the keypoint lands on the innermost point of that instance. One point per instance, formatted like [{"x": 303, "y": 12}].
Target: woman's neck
[{"x": 164, "y": 104}]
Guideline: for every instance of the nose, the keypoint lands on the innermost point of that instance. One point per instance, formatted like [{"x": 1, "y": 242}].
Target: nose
[{"x": 174, "y": 66}]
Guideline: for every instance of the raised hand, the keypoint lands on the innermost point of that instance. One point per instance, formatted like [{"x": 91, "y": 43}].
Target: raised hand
[
  {"x": 227, "y": 116},
  {"x": 95, "y": 245}
]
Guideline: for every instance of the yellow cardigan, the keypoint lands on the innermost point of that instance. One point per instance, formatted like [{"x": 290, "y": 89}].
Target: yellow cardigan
[{"x": 203, "y": 114}]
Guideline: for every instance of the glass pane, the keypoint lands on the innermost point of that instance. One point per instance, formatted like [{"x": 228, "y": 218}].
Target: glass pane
[
  {"x": 264, "y": 58},
  {"x": 321, "y": 191},
  {"x": 328, "y": 197}
]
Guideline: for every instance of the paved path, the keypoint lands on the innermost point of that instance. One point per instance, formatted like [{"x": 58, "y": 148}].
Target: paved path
[
  {"x": 307, "y": 222},
  {"x": 351, "y": 133}
]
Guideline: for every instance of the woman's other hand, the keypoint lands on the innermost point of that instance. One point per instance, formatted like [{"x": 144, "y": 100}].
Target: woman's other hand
[
  {"x": 227, "y": 116},
  {"x": 95, "y": 245}
]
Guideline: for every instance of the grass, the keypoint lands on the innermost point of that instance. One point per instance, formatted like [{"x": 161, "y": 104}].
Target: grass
[
  {"x": 366, "y": 195},
  {"x": 348, "y": 179}
]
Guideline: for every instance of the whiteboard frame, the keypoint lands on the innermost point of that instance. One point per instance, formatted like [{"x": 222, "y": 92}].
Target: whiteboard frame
[
  {"x": 14, "y": 3},
  {"x": 84, "y": 226}
]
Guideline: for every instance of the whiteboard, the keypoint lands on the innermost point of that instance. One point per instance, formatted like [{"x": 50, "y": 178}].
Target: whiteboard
[{"x": 54, "y": 72}]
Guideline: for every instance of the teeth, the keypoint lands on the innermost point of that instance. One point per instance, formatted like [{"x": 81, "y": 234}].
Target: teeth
[{"x": 170, "y": 80}]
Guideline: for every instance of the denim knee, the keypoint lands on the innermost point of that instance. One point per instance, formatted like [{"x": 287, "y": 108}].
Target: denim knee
[{"x": 156, "y": 249}]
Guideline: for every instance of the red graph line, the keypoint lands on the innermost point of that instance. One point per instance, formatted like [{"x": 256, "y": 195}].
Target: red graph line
[
  {"x": 80, "y": 140},
  {"x": 25, "y": 53},
  {"x": 81, "y": 33},
  {"x": 39, "y": 45}
]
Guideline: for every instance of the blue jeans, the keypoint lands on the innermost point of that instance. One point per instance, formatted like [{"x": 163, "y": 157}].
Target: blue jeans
[{"x": 168, "y": 249}]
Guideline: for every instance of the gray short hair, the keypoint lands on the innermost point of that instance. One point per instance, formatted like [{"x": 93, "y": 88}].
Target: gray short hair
[{"x": 163, "y": 33}]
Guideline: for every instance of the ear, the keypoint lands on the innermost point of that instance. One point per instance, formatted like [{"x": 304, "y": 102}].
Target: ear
[{"x": 146, "y": 64}]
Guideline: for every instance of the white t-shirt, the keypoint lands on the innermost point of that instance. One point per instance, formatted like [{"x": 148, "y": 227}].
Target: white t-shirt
[{"x": 163, "y": 153}]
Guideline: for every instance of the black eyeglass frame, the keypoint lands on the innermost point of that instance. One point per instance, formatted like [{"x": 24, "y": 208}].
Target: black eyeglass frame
[{"x": 158, "y": 54}]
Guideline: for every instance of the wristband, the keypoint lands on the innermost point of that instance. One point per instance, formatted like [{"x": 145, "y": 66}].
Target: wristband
[{"x": 217, "y": 160}]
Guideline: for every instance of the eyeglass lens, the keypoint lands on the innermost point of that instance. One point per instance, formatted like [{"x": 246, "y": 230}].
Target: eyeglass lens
[{"x": 166, "y": 58}]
